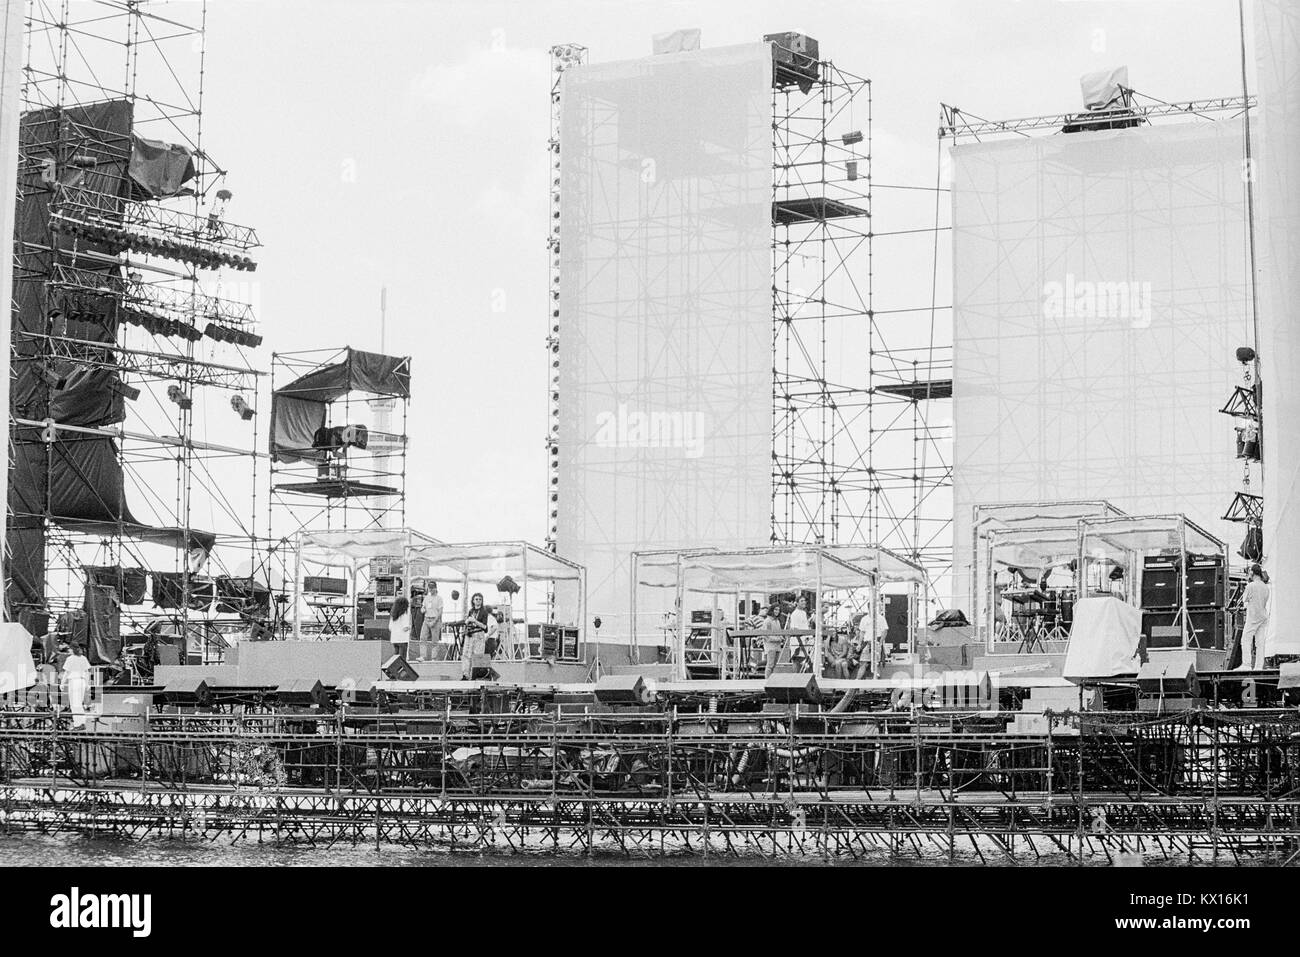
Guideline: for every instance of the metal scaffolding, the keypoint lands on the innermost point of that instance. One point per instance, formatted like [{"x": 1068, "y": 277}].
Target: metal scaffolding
[
  {"x": 490, "y": 769},
  {"x": 859, "y": 455},
  {"x": 128, "y": 286}
]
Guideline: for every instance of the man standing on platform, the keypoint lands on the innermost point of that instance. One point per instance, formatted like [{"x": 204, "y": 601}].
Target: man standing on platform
[
  {"x": 1255, "y": 629},
  {"x": 773, "y": 644},
  {"x": 431, "y": 630}
]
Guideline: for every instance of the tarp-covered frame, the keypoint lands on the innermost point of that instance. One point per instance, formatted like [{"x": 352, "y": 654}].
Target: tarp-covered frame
[
  {"x": 745, "y": 573},
  {"x": 1126, "y": 542},
  {"x": 348, "y": 548},
  {"x": 1033, "y": 550},
  {"x": 489, "y": 562},
  {"x": 987, "y": 518},
  {"x": 300, "y": 408}
]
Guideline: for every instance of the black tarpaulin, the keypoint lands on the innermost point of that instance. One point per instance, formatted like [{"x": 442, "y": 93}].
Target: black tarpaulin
[
  {"x": 129, "y": 584},
  {"x": 84, "y": 150},
  {"x": 300, "y": 408},
  {"x": 159, "y": 169},
  {"x": 103, "y": 625}
]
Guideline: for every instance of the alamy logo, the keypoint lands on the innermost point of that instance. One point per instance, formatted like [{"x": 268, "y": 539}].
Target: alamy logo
[
  {"x": 653, "y": 430},
  {"x": 1098, "y": 302},
  {"x": 75, "y": 909}
]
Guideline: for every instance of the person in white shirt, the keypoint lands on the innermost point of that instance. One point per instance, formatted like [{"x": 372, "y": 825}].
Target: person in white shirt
[
  {"x": 431, "y": 642},
  {"x": 76, "y": 679},
  {"x": 1253, "y": 632},
  {"x": 399, "y": 625},
  {"x": 798, "y": 619}
]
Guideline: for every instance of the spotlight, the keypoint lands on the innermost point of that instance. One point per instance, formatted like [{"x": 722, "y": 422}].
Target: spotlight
[
  {"x": 1245, "y": 354},
  {"x": 245, "y": 411},
  {"x": 175, "y": 394}
]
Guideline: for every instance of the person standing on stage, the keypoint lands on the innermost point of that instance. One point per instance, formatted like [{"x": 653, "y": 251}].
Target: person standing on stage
[
  {"x": 76, "y": 679},
  {"x": 399, "y": 625},
  {"x": 799, "y": 617},
  {"x": 476, "y": 626},
  {"x": 432, "y": 647},
  {"x": 773, "y": 645},
  {"x": 1253, "y": 633}
]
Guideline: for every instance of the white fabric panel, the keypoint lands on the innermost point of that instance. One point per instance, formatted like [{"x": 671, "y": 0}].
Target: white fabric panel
[
  {"x": 1100, "y": 290},
  {"x": 665, "y": 361},
  {"x": 17, "y": 668},
  {"x": 1103, "y": 639},
  {"x": 1277, "y": 24}
]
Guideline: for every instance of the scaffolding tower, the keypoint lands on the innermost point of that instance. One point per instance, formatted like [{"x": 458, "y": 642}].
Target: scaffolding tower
[
  {"x": 133, "y": 421},
  {"x": 858, "y": 453}
]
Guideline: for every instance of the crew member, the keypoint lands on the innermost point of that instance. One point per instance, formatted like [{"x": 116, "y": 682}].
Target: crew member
[
  {"x": 1253, "y": 633},
  {"x": 774, "y": 644},
  {"x": 76, "y": 680},
  {"x": 431, "y": 630},
  {"x": 399, "y": 625}
]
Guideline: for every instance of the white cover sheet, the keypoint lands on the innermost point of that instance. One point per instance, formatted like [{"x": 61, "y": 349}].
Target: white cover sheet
[{"x": 1103, "y": 639}]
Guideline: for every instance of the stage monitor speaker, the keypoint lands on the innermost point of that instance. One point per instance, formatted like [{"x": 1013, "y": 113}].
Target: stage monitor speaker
[
  {"x": 1288, "y": 676},
  {"x": 188, "y": 691},
  {"x": 796, "y": 688},
  {"x": 480, "y": 668},
  {"x": 622, "y": 689},
  {"x": 1169, "y": 673},
  {"x": 302, "y": 691},
  {"x": 398, "y": 669}
]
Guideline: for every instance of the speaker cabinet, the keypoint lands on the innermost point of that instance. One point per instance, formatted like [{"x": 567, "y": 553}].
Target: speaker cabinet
[
  {"x": 1161, "y": 584},
  {"x": 398, "y": 669},
  {"x": 797, "y": 688},
  {"x": 622, "y": 689},
  {"x": 1169, "y": 673},
  {"x": 1164, "y": 629}
]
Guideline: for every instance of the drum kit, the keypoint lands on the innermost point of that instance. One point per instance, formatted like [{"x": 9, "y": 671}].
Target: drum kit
[{"x": 1038, "y": 615}]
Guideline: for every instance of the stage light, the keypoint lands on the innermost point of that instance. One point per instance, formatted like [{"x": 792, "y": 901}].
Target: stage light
[
  {"x": 177, "y": 395},
  {"x": 245, "y": 411},
  {"x": 1245, "y": 354},
  {"x": 851, "y": 137}
]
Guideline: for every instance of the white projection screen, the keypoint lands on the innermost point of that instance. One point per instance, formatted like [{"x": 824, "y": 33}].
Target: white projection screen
[
  {"x": 1100, "y": 291},
  {"x": 665, "y": 359},
  {"x": 1277, "y": 199}
]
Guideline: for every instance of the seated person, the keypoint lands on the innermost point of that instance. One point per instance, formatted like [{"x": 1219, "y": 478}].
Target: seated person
[{"x": 837, "y": 658}]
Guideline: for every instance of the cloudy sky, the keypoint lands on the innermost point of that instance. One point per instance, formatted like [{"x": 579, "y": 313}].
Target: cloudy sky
[{"x": 403, "y": 144}]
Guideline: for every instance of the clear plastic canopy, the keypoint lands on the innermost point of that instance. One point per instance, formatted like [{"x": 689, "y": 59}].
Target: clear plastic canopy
[
  {"x": 345, "y": 547},
  {"x": 482, "y": 561},
  {"x": 774, "y": 569}
]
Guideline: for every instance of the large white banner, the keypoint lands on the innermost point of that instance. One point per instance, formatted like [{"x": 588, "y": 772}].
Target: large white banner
[
  {"x": 665, "y": 360},
  {"x": 1277, "y": 197},
  {"x": 1100, "y": 292}
]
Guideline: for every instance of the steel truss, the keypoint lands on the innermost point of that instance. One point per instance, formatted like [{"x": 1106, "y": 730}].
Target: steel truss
[
  {"x": 957, "y": 123},
  {"x": 852, "y": 785}
]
